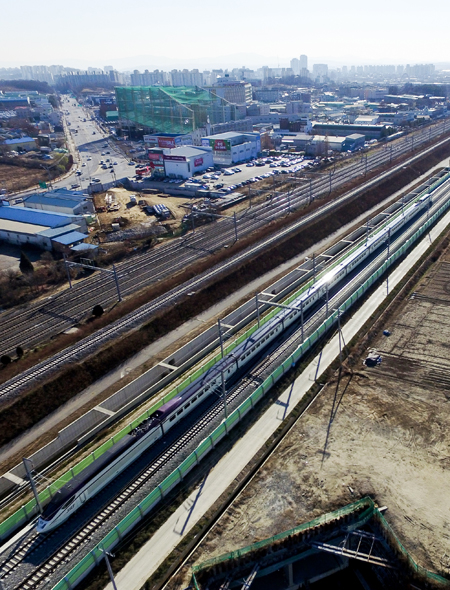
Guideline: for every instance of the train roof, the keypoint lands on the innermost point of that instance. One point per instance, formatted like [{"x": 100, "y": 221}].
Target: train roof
[{"x": 77, "y": 482}]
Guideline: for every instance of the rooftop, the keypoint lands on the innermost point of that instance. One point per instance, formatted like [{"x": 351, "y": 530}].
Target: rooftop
[
  {"x": 56, "y": 201},
  {"x": 21, "y": 227},
  {"x": 70, "y": 238},
  {"x": 19, "y": 140},
  {"x": 59, "y": 231},
  {"x": 34, "y": 216},
  {"x": 226, "y": 135},
  {"x": 84, "y": 246},
  {"x": 188, "y": 151}
]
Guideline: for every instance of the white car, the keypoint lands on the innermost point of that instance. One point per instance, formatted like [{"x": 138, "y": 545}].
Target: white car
[{"x": 228, "y": 173}]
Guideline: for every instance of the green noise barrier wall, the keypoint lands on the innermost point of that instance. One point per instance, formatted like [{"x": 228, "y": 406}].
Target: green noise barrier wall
[{"x": 80, "y": 570}]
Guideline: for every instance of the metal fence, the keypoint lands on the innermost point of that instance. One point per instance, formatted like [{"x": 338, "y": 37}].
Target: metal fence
[
  {"x": 366, "y": 509},
  {"x": 366, "y": 505}
]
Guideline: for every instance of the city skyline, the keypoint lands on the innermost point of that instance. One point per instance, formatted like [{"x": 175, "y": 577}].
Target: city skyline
[{"x": 92, "y": 35}]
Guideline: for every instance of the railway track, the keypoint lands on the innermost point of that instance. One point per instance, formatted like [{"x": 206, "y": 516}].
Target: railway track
[
  {"x": 67, "y": 309},
  {"x": 136, "y": 274},
  {"x": 91, "y": 343},
  {"x": 62, "y": 555}
]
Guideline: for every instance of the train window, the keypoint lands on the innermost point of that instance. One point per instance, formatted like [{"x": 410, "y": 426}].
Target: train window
[
  {"x": 187, "y": 405},
  {"x": 69, "y": 502},
  {"x": 180, "y": 412},
  {"x": 193, "y": 399},
  {"x": 172, "y": 419}
]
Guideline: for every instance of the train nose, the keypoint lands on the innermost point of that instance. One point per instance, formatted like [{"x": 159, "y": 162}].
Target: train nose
[{"x": 41, "y": 524}]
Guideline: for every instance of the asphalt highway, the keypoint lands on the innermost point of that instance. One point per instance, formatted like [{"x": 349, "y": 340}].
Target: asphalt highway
[{"x": 92, "y": 145}]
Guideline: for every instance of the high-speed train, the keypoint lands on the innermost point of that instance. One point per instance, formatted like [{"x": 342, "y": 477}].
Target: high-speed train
[{"x": 110, "y": 464}]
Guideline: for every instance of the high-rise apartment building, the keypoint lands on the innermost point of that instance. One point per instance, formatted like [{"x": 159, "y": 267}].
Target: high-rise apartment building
[
  {"x": 320, "y": 70},
  {"x": 295, "y": 65},
  {"x": 303, "y": 62}
]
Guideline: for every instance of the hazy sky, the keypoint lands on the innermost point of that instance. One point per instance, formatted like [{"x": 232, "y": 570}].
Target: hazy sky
[{"x": 104, "y": 32}]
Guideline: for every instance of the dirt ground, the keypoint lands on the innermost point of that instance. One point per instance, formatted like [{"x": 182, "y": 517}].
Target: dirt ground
[
  {"x": 383, "y": 431},
  {"x": 179, "y": 206},
  {"x": 16, "y": 178},
  {"x": 136, "y": 214}
]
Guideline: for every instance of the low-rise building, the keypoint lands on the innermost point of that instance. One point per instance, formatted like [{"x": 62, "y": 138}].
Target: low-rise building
[
  {"x": 353, "y": 142},
  {"x": 367, "y": 120},
  {"x": 230, "y": 148},
  {"x": 62, "y": 201},
  {"x": 342, "y": 129},
  {"x": 313, "y": 145},
  {"x": 21, "y": 143},
  {"x": 21, "y": 226},
  {"x": 185, "y": 161}
]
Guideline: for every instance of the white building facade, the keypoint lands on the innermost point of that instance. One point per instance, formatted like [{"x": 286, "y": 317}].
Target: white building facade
[
  {"x": 183, "y": 162},
  {"x": 231, "y": 148}
]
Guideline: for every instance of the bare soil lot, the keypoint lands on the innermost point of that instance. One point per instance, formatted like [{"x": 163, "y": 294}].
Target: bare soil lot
[
  {"x": 382, "y": 431},
  {"x": 17, "y": 178},
  {"x": 136, "y": 215}
]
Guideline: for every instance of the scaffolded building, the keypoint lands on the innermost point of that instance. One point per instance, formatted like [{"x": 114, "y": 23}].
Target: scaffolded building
[{"x": 180, "y": 109}]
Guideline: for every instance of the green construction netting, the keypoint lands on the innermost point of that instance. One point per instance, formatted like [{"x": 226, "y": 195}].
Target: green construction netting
[{"x": 178, "y": 109}]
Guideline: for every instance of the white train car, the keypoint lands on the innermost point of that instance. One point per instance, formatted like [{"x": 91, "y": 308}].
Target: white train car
[{"x": 104, "y": 469}]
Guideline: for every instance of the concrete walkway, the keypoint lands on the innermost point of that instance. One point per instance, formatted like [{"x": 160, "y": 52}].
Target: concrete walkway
[
  {"x": 154, "y": 552},
  {"x": 89, "y": 395}
]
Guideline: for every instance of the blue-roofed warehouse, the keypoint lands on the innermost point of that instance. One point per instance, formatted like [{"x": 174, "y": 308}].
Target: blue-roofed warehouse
[
  {"x": 19, "y": 225},
  {"x": 62, "y": 201}
]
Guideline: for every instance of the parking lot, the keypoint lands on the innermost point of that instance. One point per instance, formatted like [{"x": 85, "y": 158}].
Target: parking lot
[{"x": 227, "y": 179}]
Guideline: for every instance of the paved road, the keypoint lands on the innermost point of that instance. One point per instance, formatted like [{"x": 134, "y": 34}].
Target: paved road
[{"x": 92, "y": 148}]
